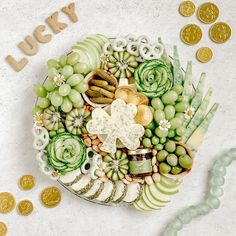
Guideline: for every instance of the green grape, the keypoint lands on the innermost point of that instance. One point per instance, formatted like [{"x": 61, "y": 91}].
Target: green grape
[
  {"x": 162, "y": 140},
  {"x": 52, "y": 133},
  {"x": 66, "y": 105},
  {"x": 151, "y": 126},
  {"x": 169, "y": 97},
  {"x": 185, "y": 161},
  {"x": 170, "y": 146},
  {"x": 175, "y": 123},
  {"x": 75, "y": 79},
  {"x": 81, "y": 68},
  {"x": 178, "y": 138},
  {"x": 147, "y": 142},
  {"x": 164, "y": 168},
  {"x": 180, "y": 99},
  {"x": 175, "y": 170},
  {"x": 43, "y": 102},
  {"x": 74, "y": 96},
  {"x": 161, "y": 133},
  {"x": 82, "y": 87},
  {"x": 155, "y": 140},
  {"x": 53, "y": 63},
  {"x": 148, "y": 133},
  {"x": 157, "y": 104},
  {"x": 49, "y": 85},
  {"x": 79, "y": 104},
  {"x": 40, "y": 91},
  {"x": 181, "y": 106},
  {"x": 158, "y": 116},
  {"x": 67, "y": 71},
  {"x": 56, "y": 99},
  {"x": 64, "y": 90},
  {"x": 161, "y": 155},
  {"x": 73, "y": 58},
  {"x": 52, "y": 72},
  {"x": 178, "y": 88},
  {"x": 179, "y": 115},
  {"x": 171, "y": 133},
  {"x": 158, "y": 147},
  {"x": 169, "y": 112},
  {"x": 63, "y": 60},
  {"x": 180, "y": 151},
  {"x": 180, "y": 131},
  {"x": 152, "y": 109},
  {"x": 37, "y": 109},
  {"x": 172, "y": 160}
]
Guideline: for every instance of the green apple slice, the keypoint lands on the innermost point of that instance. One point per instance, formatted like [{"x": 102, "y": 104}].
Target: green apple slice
[
  {"x": 95, "y": 44},
  {"x": 83, "y": 57},
  {"x": 157, "y": 194},
  {"x": 141, "y": 205},
  {"x": 165, "y": 190},
  {"x": 98, "y": 38},
  {"x": 102, "y": 37},
  {"x": 149, "y": 203},
  {"x": 153, "y": 200},
  {"x": 169, "y": 183}
]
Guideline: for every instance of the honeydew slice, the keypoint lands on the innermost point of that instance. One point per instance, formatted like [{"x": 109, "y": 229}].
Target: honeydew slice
[
  {"x": 121, "y": 190},
  {"x": 70, "y": 177},
  {"x": 142, "y": 206},
  {"x": 107, "y": 193},
  {"x": 134, "y": 192},
  {"x": 157, "y": 194},
  {"x": 95, "y": 189},
  {"x": 83, "y": 185},
  {"x": 153, "y": 200}
]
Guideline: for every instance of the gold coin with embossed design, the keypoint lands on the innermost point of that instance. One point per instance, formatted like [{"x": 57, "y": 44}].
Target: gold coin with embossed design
[
  {"x": 208, "y": 13},
  {"x": 204, "y": 54},
  {"x": 51, "y": 197},
  {"x": 187, "y": 8},
  {"x": 191, "y": 34},
  {"x": 27, "y": 182},
  {"x": 3, "y": 229},
  {"x": 220, "y": 32},
  {"x": 25, "y": 207},
  {"x": 7, "y": 202}
]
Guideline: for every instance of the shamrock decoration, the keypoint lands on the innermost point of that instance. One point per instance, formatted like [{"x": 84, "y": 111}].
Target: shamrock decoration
[{"x": 119, "y": 125}]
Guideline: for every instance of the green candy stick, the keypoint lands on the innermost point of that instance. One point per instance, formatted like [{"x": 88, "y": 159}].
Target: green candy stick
[
  {"x": 196, "y": 138},
  {"x": 199, "y": 115},
  {"x": 188, "y": 83},
  {"x": 178, "y": 73}
]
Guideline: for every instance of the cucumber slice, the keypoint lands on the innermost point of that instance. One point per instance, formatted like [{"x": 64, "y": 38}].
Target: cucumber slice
[
  {"x": 121, "y": 190},
  {"x": 83, "y": 185},
  {"x": 153, "y": 200},
  {"x": 107, "y": 193},
  {"x": 142, "y": 205},
  {"x": 134, "y": 192},
  {"x": 70, "y": 177},
  {"x": 94, "y": 189},
  {"x": 165, "y": 190},
  {"x": 157, "y": 194}
]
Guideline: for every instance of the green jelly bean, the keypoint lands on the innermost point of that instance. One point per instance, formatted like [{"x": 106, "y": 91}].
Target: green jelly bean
[
  {"x": 169, "y": 97},
  {"x": 151, "y": 126},
  {"x": 147, "y": 142},
  {"x": 157, "y": 104},
  {"x": 175, "y": 123},
  {"x": 163, "y": 140},
  {"x": 155, "y": 140},
  {"x": 161, "y": 133},
  {"x": 148, "y": 133},
  {"x": 171, "y": 133},
  {"x": 169, "y": 112},
  {"x": 181, "y": 106},
  {"x": 158, "y": 147},
  {"x": 158, "y": 116},
  {"x": 178, "y": 88}
]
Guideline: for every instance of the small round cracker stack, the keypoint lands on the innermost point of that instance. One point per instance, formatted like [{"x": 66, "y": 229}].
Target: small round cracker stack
[
  {"x": 7, "y": 202},
  {"x": 187, "y": 8},
  {"x": 191, "y": 34},
  {"x": 204, "y": 54},
  {"x": 208, "y": 13},
  {"x": 27, "y": 182},
  {"x": 25, "y": 207},
  {"x": 51, "y": 197},
  {"x": 220, "y": 32}
]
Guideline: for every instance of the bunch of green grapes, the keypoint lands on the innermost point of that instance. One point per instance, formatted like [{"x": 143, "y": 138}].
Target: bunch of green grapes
[
  {"x": 64, "y": 84},
  {"x": 168, "y": 122}
]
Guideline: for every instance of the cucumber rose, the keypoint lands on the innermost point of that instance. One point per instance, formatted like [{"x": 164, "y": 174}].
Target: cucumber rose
[
  {"x": 153, "y": 78},
  {"x": 66, "y": 152}
]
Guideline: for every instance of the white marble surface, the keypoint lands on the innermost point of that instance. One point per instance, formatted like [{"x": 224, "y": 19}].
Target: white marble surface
[{"x": 75, "y": 216}]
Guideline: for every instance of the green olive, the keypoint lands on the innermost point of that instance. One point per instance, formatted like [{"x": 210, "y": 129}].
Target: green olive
[{"x": 164, "y": 168}]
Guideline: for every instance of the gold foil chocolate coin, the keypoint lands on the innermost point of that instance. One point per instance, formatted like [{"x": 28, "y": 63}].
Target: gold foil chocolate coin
[
  {"x": 204, "y": 54},
  {"x": 25, "y": 207},
  {"x": 208, "y": 13},
  {"x": 187, "y": 8},
  {"x": 191, "y": 34},
  {"x": 51, "y": 197},
  {"x": 220, "y": 32},
  {"x": 7, "y": 202},
  {"x": 27, "y": 182},
  {"x": 3, "y": 229}
]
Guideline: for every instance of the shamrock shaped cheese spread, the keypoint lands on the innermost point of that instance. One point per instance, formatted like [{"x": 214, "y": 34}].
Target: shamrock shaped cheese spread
[{"x": 119, "y": 125}]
